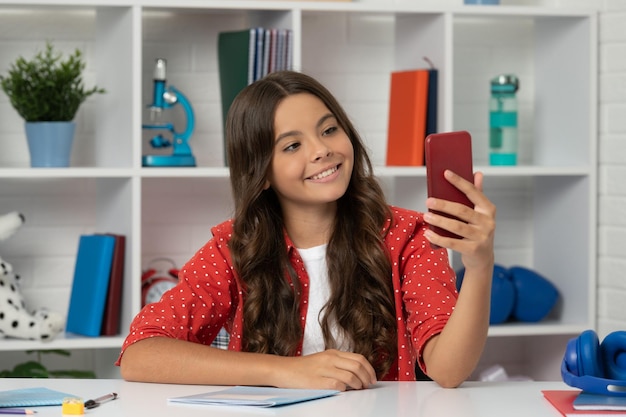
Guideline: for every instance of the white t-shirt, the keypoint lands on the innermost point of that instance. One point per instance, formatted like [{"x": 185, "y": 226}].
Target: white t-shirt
[{"x": 319, "y": 293}]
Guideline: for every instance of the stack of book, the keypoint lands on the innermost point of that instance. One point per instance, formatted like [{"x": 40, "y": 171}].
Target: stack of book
[
  {"x": 580, "y": 403},
  {"x": 412, "y": 115},
  {"x": 95, "y": 300},
  {"x": 245, "y": 56}
]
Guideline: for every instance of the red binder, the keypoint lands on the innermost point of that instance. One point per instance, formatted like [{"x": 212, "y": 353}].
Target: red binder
[
  {"x": 408, "y": 103},
  {"x": 111, "y": 317}
]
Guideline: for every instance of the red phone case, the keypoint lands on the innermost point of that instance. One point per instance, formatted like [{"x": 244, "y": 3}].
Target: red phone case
[{"x": 453, "y": 151}]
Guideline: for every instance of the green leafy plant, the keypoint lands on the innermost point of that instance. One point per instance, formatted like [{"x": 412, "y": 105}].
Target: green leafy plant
[
  {"x": 35, "y": 369},
  {"x": 47, "y": 88}
]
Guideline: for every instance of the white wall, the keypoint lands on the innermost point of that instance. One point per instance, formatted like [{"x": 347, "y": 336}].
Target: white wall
[{"x": 612, "y": 166}]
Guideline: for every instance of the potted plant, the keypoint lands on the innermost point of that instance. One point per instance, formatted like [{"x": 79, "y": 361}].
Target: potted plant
[
  {"x": 47, "y": 92},
  {"x": 36, "y": 369}
]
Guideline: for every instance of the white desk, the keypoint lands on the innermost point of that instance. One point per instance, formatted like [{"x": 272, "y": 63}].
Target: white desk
[{"x": 415, "y": 399}]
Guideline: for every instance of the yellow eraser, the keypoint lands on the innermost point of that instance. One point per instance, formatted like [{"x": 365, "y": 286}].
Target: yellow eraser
[{"x": 73, "y": 407}]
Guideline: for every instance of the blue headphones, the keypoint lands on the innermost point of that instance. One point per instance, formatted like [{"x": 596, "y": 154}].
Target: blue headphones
[{"x": 598, "y": 368}]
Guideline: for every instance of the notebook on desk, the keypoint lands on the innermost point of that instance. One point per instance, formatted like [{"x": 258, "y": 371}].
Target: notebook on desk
[
  {"x": 253, "y": 396},
  {"x": 32, "y": 397}
]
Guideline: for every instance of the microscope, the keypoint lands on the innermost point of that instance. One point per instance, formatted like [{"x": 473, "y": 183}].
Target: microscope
[{"x": 164, "y": 98}]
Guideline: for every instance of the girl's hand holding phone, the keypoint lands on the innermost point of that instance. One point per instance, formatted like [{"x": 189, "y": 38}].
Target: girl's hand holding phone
[{"x": 460, "y": 215}]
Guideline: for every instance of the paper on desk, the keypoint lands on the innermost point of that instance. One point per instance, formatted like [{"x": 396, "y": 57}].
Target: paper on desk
[{"x": 253, "y": 396}]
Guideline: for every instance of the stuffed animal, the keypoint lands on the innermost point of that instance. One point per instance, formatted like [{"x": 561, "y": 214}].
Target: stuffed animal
[
  {"x": 15, "y": 319},
  {"x": 9, "y": 223}
]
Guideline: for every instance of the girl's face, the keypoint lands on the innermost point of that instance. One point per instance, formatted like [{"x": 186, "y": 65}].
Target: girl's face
[{"x": 313, "y": 156}]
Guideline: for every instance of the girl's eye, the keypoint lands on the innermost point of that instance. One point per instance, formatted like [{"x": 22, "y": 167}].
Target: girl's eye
[
  {"x": 292, "y": 147},
  {"x": 329, "y": 131}
]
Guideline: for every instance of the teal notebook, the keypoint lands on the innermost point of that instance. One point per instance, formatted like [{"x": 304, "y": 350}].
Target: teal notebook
[
  {"x": 91, "y": 284},
  {"x": 253, "y": 396},
  {"x": 32, "y": 397},
  {"x": 236, "y": 51}
]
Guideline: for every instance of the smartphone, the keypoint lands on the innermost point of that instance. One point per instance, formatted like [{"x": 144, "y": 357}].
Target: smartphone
[{"x": 453, "y": 151}]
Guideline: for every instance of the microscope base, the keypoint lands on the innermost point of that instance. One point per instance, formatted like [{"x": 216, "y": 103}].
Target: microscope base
[{"x": 168, "y": 161}]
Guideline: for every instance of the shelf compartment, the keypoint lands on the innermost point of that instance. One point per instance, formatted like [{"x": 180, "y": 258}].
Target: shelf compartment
[
  {"x": 103, "y": 34},
  {"x": 57, "y": 212},
  {"x": 551, "y": 55},
  {"x": 192, "y": 67}
]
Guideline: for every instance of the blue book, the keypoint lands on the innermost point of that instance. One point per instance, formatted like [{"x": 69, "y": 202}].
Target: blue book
[
  {"x": 90, "y": 286},
  {"x": 431, "y": 109},
  {"x": 587, "y": 401}
]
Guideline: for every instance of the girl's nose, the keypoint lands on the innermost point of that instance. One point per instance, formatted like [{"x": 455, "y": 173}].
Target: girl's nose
[{"x": 321, "y": 150}]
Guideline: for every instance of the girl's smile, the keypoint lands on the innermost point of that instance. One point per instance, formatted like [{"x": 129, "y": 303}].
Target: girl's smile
[{"x": 326, "y": 175}]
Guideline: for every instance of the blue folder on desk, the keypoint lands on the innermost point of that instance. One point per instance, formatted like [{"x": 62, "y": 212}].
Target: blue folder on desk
[{"x": 32, "y": 397}]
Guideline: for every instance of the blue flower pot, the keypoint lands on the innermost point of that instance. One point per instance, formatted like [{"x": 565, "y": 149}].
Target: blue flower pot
[{"x": 50, "y": 143}]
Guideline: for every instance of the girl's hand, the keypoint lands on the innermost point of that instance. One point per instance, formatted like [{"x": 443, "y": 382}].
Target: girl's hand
[
  {"x": 331, "y": 369},
  {"x": 477, "y": 227}
]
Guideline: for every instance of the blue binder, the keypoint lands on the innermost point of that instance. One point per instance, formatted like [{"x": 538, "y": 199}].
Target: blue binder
[{"x": 91, "y": 283}]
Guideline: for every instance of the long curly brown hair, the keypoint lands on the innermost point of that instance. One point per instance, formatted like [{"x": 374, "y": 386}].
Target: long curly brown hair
[{"x": 359, "y": 269}]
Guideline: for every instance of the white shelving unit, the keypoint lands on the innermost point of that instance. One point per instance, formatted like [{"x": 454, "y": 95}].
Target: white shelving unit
[{"x": 546, "y": 205}]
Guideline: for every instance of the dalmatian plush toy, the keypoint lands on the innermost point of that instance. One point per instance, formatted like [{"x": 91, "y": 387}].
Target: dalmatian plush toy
[{"x": 15, "y": 319}]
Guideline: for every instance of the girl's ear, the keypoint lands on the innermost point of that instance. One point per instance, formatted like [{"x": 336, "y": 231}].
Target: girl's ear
[{"x": 266, "y": 186}]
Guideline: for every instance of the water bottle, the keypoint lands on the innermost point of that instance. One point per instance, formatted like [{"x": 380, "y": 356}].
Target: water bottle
[{"x": 503, "y": 120}]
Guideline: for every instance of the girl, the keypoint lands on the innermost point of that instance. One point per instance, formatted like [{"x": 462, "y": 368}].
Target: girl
[{"x": 320, "y": 283}]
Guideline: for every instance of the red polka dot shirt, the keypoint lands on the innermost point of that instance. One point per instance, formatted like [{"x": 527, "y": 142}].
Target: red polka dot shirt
[{"x": 209, "y": 297}]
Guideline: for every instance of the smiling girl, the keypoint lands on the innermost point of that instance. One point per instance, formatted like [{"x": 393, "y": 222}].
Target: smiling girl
[{"x": 320, "y": 283}]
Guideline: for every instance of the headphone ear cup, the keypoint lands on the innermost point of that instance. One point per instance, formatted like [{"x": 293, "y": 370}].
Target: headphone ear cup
[
  {"x": 613, "y": 351},
  {"x": 589, "y": 357},
  {"x": 570, "y": 358}
]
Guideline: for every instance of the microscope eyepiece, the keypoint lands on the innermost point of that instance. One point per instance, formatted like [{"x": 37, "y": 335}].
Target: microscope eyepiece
[{"x": 159, "y": 69}]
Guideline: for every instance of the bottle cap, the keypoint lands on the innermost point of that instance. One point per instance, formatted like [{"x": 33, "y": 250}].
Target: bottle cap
[{"x": 504, "y": 83}]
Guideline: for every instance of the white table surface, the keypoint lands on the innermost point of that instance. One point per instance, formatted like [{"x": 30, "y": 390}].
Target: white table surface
[{"x": 472, "y": 399}]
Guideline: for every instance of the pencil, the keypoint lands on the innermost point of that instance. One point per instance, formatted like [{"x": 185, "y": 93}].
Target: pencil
[{"x": 16, "y": 411}]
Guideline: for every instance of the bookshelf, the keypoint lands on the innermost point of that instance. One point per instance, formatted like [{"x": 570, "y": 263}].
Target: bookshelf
[{"x": 546, "y": 205}]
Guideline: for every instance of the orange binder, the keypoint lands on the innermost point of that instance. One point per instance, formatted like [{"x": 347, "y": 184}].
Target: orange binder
[{"x": 408, "y": 103}]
